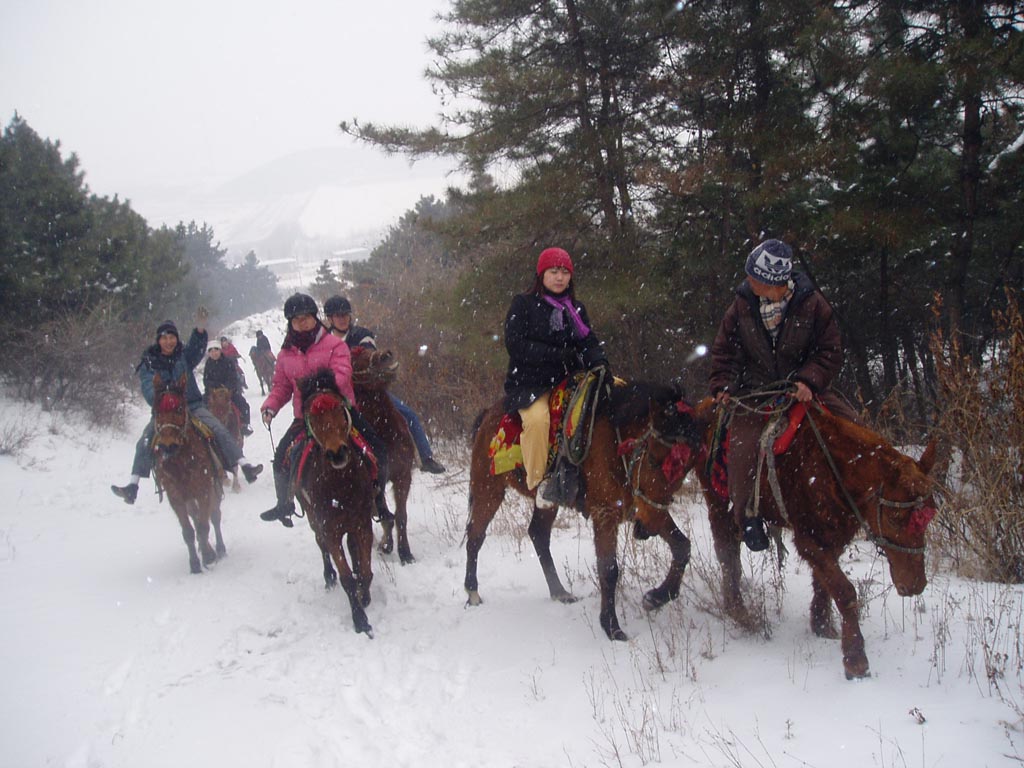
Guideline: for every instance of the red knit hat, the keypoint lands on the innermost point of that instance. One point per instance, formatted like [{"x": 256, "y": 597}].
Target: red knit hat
[{"x": 553, "y": 257}]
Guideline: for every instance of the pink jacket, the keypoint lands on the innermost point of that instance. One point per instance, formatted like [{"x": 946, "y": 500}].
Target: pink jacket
[{"x": 292, "y": 365}]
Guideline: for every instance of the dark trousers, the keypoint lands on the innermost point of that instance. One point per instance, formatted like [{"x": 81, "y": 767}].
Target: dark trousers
[
  {"x": 744, "y": 435},
  {"x": 242, "y": 405}
]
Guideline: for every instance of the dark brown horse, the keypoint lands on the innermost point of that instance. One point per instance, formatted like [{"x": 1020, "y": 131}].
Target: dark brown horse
[
  {"x": 334, "y": 486},
  {"x": 834, "y": 481},
  {"x": 218, "y": 400},
  {"x": 264, "y": 364},
  {"x": 372, "y": 372},
  {"x": 643, "y": 439},
  {"x": 186, "y": 470}
]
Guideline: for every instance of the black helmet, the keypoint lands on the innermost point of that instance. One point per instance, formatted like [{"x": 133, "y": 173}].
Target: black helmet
[
  {"x": 337, "y": 305},
  {"x": 299, "y": 304}
]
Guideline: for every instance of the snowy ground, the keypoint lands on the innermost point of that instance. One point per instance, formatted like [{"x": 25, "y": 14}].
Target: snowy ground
[{"x": 114, "y": 655}]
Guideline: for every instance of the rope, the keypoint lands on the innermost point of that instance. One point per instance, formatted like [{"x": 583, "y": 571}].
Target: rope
[{"x": 878, "y": 540}]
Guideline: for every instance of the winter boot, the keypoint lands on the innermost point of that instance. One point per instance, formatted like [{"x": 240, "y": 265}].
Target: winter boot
[{"x": 127, "y": 492}]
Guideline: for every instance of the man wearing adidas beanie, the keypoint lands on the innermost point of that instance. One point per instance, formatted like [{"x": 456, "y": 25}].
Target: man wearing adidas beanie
[{"x": 778, "y": 328}]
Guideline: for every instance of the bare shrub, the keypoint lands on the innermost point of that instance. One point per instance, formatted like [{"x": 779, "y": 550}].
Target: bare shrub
[
  {"x": 981, "y": 528},
  {"x": 81, "y": 362},
  {"x": 14, "y": 438}
]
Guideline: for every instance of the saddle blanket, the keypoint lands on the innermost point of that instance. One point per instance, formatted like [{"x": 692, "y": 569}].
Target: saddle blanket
[{"x": 505, "y": 451}]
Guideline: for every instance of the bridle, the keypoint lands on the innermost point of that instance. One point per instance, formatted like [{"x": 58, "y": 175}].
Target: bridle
[
  {"x": 338, "y": 401},
  {"x": 637, "y": 449},
  {"x": 878, "y": 539}
]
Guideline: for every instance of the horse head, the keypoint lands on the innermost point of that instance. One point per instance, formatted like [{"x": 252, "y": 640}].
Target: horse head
[
  {"x": 170, "y": 414},
  {"x": 372, "y": 368},
  {"x": 327, "y": 418},
  {"x": 892, "y": 497},
  {"x": 669, "y": 433}
]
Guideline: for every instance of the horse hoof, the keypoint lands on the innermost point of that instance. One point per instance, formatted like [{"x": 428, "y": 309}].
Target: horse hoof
[
  {"x": 618, "y": 635},
  {"x": 385, "y": 547},
  {"x": 856, "y": 669},
  {"x": 407, "y": 558},
  {"x": 566, "y": 598},
  {"x": 653, "y": 601},
  {"x": 196, "y": 568},
  {"x": 473, "y": 598}
]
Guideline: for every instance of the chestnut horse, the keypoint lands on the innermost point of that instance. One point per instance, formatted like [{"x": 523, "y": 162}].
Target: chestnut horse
[
  {"x": 264, "y": 364},
  {"x": 642, "y": 442},
  {"x": 218, "y": 400},
  {"x": 187, "y": 472},
  {"x": 372, "y": 372},
  {"x": 334, "y": 486},
  {"x": 835, "y": 480}
]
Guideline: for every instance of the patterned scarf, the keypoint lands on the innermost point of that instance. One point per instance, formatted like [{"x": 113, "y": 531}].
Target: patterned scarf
[
  {"x": 773, "y": 311},
  {"x": 563, "y": 304}
]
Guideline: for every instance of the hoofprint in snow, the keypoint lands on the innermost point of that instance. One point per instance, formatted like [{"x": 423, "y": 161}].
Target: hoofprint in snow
[{"x": 114, "y": 655}]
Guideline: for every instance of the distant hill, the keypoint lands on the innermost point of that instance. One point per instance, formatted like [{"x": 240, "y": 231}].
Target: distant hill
[{"x": 304, "y": 207}]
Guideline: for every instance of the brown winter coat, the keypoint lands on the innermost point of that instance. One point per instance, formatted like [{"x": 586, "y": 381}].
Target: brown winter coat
[{"x": 809, "y": 346}]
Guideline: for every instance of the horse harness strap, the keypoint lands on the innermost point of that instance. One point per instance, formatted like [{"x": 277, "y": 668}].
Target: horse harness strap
[
  {"x": 635, "y": 461},
  {"x": 877, "y": 539}
]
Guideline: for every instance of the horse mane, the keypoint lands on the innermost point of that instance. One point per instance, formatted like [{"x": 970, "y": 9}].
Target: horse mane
[
  {"x": 321, "y": 380},
  {"x": 631, "y": 404}
]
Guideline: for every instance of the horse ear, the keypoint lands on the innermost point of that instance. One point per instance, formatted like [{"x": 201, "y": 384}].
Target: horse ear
[
  {"x": 182, "y": 382},
  {"x": 158, "y": 384},
  {"x": 927, "y": 461}
]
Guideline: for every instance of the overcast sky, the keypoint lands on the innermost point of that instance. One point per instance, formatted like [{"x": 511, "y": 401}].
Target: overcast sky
[{"x": 197, "y": 91}]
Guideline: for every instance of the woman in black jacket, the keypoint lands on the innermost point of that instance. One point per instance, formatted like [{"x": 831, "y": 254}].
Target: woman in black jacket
[{"x": 548, "y": 338}]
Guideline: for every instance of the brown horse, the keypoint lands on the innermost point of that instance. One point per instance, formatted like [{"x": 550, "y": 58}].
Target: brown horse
[
  {"x": 186, "y": 470},
  {"x": 264, "y": 364},
  {"x": 836, "y": 479},
  {"x": 643, "y": 439},
  {"x": 334, "y": 486},
  {"x": 372, "y": 372},
  {"x": 218, "y": 400}
]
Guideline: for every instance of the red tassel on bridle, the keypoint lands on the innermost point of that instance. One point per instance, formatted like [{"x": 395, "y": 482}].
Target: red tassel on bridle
[{"x": 169, "y": 402}]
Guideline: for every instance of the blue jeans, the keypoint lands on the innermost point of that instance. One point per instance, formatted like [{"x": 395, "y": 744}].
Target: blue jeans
[
  {"x": 419, "y": 436},
  {"x": 142, "y": 464}
]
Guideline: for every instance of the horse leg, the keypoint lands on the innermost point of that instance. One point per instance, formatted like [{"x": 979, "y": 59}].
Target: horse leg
[
  {"x": 387, "y": 537},
  {"x": 663, "y": 525},
  {"x": 330, "y": 575},
  {"x": 236, "y": 487},
  {"x": 348, "y": 583},
  {"x": 540, "y": 535},
  {"x": 830, "y": 576},
  {"x": 401, "y": 491},
  {"x": 606, "y": 540},
  {"x": 187, "y": 533},
  {"x": 215, "y": 520},
  {"x": 361, "y": 562},
  {"x": 202, "y": 525},
  {"x": 727, "y": 549},
  {"x": 484, "y": 499},
  {"x": 822, "y": 620}
]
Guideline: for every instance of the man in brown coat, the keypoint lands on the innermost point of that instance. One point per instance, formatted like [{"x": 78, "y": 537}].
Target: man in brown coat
[{"x": 779, "y": 328}]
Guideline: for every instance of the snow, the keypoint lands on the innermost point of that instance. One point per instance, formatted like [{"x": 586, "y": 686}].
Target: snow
[{"x": 114, "y": 655}]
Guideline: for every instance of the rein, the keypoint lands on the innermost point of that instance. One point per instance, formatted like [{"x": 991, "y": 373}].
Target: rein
[
  {"x": 877, "y": 539},
  {"x": 635, "y": 461}
]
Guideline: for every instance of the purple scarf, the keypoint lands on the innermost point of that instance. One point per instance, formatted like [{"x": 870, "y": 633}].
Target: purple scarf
[{"x": 557, "y": 320}]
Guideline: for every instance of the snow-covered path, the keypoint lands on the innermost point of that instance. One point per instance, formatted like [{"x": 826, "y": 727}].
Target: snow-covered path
[{"x": 112, "y": 654}]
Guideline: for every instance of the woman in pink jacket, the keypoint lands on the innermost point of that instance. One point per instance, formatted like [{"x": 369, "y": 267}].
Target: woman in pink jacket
[{"x": 307, "y": 348}]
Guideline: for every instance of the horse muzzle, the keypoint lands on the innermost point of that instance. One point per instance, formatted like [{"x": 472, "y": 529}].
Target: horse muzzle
[
  {"x": 339, "y": 458},
  {"x": 168, "y": 450}
]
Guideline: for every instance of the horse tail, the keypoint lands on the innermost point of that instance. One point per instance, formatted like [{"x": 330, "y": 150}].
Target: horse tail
[{"x": 476, "y": 425}]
